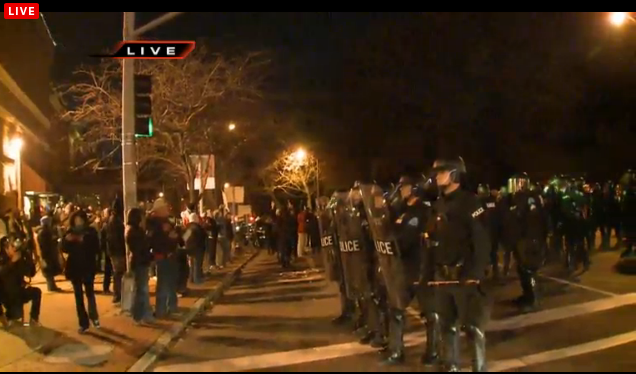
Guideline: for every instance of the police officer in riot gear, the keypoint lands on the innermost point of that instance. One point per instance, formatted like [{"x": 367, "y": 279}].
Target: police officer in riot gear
[
  {"x": 409, "y": 225},
  {"x": 460, "y": 263},
  {"x": 332, "y": 259},
  {"x": 528, "y": 224},
  {"x": 373, "y": 333},
  {"x": 493, "y": 220},
  {"x": 575, "y": 227},
  {"x": 628, "y": 211}
]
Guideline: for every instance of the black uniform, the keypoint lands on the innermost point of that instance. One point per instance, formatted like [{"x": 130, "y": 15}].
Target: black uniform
[
  {"x": 460, "y": 263},
  {"x": 529, "y": 247},
  {"x": 493, "y": 222}
]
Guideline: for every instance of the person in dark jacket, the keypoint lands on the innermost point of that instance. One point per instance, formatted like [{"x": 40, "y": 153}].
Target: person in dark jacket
[
  {"x": 313, "y": 231},
  {"x": 213, "y": 236},
  {"x": 80, "y": 243},
  {"x": 15, "y": 266},
  {"x": 117, "y": 247},
  {"x": 49, "y": 254},
  {"x": 194, "y": 239},
  {"x": 164, "y": 241},
  {"x": 103, "y": 247},
  {"x": 140, "y": 263}
]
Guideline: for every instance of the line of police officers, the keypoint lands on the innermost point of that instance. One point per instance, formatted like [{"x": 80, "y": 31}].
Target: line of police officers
[{"x": 385, "y": 249}]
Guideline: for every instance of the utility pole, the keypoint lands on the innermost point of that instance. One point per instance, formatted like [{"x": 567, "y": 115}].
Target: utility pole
[{"x": 128, "y": 154}]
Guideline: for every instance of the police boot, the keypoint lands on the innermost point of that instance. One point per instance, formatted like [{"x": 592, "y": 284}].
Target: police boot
[
  {"x": 450, "y": 360},
  {"x": 478, "y": 344},
  {"x": 380, "y": 340},
  {"x": 396, "y": 338},
  {"x": 506, "y": 264},
  {"x": 431, "y": 355},
  {"x": 347, "y": 310},
  {"x": 530, "y": 295}
]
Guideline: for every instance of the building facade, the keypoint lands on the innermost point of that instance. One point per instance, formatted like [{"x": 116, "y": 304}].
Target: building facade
[{"x": 26, "y": 109}]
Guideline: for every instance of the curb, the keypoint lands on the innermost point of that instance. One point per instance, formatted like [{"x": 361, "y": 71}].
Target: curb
[{"x": 162, "y": 344}]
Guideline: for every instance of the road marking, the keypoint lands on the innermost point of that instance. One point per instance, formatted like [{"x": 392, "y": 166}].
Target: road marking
[
  {"x": 556, "y": 314},
  {"x": 577, "y": 285},
  {"x": 302, "y": 356},
  {"x": 563, "y": 353}
]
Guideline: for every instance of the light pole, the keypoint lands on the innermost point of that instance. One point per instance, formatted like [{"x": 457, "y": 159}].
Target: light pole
[
  {"x": 128, "y": 154},
  {"x": 16, "y": 153}
]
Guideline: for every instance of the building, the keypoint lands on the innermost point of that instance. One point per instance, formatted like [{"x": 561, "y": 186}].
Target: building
[{"x": 26, "y": 109}]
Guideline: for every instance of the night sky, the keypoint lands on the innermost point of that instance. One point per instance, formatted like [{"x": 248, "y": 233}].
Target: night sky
[{"x": 508, "y": 91}]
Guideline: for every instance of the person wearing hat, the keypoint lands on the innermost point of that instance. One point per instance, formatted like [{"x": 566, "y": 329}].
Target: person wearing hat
[
  {"x": 49, "y": 254},
  {"x": 164, "y": 241}
]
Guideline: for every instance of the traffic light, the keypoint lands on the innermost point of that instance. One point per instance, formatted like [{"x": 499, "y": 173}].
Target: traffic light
[{"x": 143, "y": 105}]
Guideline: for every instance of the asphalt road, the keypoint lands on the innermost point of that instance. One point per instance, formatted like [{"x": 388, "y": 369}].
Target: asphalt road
[{"x": 280, "y": 321}]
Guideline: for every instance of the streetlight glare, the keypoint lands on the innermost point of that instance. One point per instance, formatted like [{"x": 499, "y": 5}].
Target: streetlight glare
[
  {"x": 16, "y": 144},
  {"x": 227, "y": 185},
  {"x": 300, "y": 154},
  {"x": 619, "y": 18},
  {"x": 231, "y": 127},
  {"x": 160, "y": 194}
]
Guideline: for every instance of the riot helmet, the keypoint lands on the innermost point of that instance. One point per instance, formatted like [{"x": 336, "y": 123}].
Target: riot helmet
[
  {"x": 483, "y": 190},
  {"x": 628, "y": 180},
  {"x": 518, "y": 182},
  {"x": 448, "y": 171},
  {"x": 406, "y": 186}
]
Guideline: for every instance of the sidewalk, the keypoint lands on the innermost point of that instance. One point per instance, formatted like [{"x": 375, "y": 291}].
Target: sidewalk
[{"x": 57, "y": 347}]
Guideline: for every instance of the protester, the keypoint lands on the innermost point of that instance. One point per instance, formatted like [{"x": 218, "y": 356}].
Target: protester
[
  {"x": 15, "y": 265},
  {"x": 80, "y": 243},
  {"x": 49, "y": 254},
  {"x": 117, "y": 247},
  {"x": 140, "y": 262},
  {"x": 164, "y": 240},
  {"x": 194, "y": 239},
  {"x": 103, "y": 247},
  {"x": 303, "y": 237},
  {"x": 212, "y": 230}
]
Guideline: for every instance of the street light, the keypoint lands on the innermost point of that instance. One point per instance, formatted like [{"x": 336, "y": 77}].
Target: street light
[
  {"x": 618, "y": 19},
  {"x": 227, "y": 185},
  {"x": 300, "y": 155},
  {"x": 231, "y": 127},
  {"x": 160, "y": 194}
]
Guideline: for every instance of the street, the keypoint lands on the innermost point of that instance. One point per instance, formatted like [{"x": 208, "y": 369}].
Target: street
[{"x": 280, "y": 321}]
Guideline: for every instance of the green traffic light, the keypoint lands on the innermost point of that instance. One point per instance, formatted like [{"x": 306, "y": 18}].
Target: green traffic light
[{"x": 149, "y": 130}]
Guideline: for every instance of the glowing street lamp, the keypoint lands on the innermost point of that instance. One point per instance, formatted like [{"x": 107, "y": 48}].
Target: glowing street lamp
[
  {"x": 618, "y": 19},
  {"x": 300, "y": 155},
  {"x": 227, "y": 185},
  {"x": 231, "y": 127},
  {"x": 160, "y": 194}
]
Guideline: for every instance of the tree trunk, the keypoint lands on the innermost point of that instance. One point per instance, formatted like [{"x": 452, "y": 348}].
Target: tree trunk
[{"x": 192, "y": 193}]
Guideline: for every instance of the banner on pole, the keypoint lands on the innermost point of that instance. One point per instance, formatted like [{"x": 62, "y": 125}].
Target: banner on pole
[{"x": 205, "y": 172}]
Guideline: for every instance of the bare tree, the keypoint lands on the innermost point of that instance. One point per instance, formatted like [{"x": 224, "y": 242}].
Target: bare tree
[
  {"x": 190, "y": 118},
  {"x": 293, "y": 173}
]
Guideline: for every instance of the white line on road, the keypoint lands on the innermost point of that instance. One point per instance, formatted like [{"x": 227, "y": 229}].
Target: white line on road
[
  {"x": 563, "y": 353},
  {"x": 301, "y": 356},
  {"x": 578, "y": 285}
]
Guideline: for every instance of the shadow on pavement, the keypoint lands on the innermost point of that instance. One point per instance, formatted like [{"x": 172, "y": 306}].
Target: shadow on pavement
[
  {"x": 271, "y": 343},
  {"x": 278, "y": 299},
  {"x": 267, "y": 324},
  {"x": 237, "y": 297}
]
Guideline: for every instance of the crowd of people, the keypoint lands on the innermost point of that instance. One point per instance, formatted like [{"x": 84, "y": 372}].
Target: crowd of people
[{"x": 81, "y": 243}]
